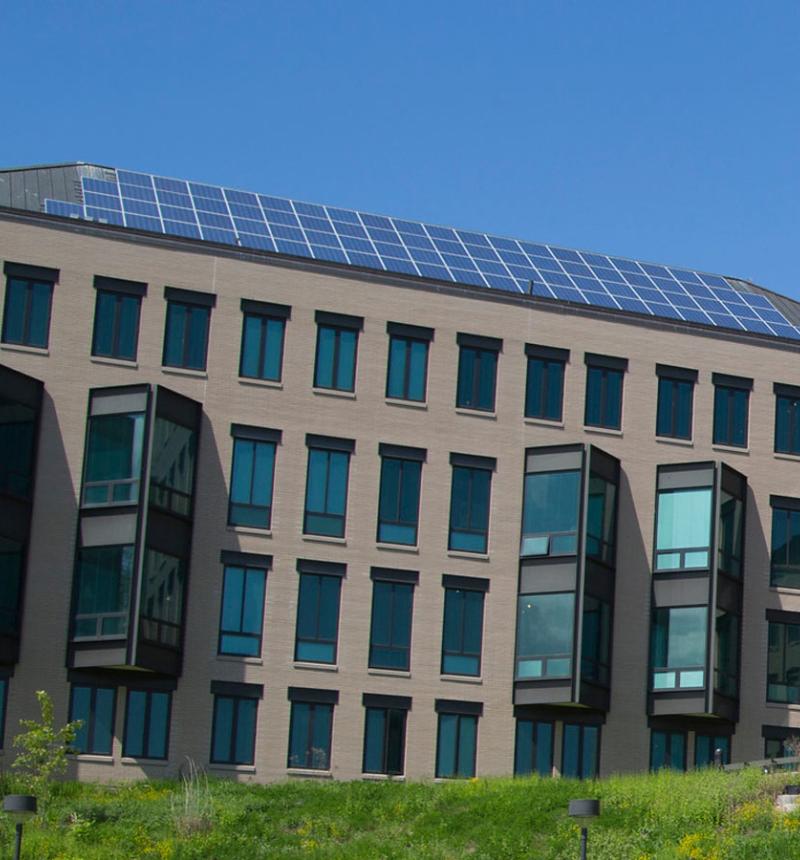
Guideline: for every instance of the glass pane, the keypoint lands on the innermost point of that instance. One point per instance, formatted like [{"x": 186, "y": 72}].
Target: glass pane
[
  {"x": 677, "y": 750},
  {"x": 591, "y": 738},
  {"x": 307, "y": 606},
  {"x": 172, "y": 467},
  {"x": 39, "y": 322},
  {"x": 223, "y": 729},
  {"x": 128, "y": 310},
  {"x": 395, "y": 742},
  {"x": 545, "y": 625},
  {"x": 523, "y": 757},
  {"x": 550, "y": 507},
  {"x": 684, "y": 519},
  {"x": 488, "y": 366},
  {"x": 232, "y": 598},
  {"x": 244, "y": 752},
  {"x": 337, "y": 483},
  {"x": 134, "y": 723},
  {"x": 740, "y": 404},
  {"x": 571, "y": 750},
  {"x": 613, "y": 404},
  {"x": 330, "y": 587},
  {"x": 262, "y": 473},
  {"x": 241, "y": 478},
  {"x": 104, "y": 586},
  {"x": 162, "y": 598},
  {"x": 594, "y": 404},
  {"x": 417, "y": 367},
  {"x": 298, "y": 738},
  {"x": 104, "y": 313},
  {"x": 466, "y": 375},
  {"x": 544, "y": 749},
  {"x": 173, "y": 338},
  {"x": 198, "y": 332},
  {"x": 346, "y": 371},
  {"x": 373, "y": 740},
  {"x": 326, "y": 340},
  {"x": 395, "y": 384},
  {"x": 159, "y": 723},
  {"x": 253, "y": 601},
  {"x": 14, "y": 315},
  {"x": 534, "y": 389},
  {"x": 321, "y": 737},
  {"x": 251, "y": 346},
  {"x": 555, "y": 391},
  {"x": 466, "y": 746},
  {"x": 664, "y": 422},
  {"x": 80, "y": 710},
  {"x": 103, "y": 720},
  {"x": 273, "y": 351},
  {"x": 17, "y": 425},
  {"x": 317, "y": 486},
  {"x": 446, "y": 745}
]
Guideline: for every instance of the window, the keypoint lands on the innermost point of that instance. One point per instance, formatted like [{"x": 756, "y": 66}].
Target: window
[
  {"x": 457, "y": 738},
  {"x": 705, "y": 747},
  {"x": 390, "y": 628},
  {"x": 731, "y": 534},
  {"x": 147, "y": 724},
  {"x": 596, "y": 639},
  {"x": 667, "y": 750},
  {"x": 326, "y": 485},
  {"x": 469, "y": 502},
  {"x": 785, "y": 557},
  {"x": 186, "y": 333},
  {"x": 252, "y": 476},
  {"x": 233, "y": 733},
  {"x": 731, "y": 405},
  {"x": 462, "y": 630},
  {"x": 3, "y": 704},
  {"x": 172, "y": 466},
  {"x": 544, "y": 635},
  {"x": 18, "y": 422},
  {"x": 263, "y": 330},
  {"x": 116, "y": 318},
  {"x": 678, "y": 647},
  {"x": 778, "y": 747},
  {"x": 242, "y": 614},
  {"x": 310, "y": 728},
  {"x": 94, "y": 706},
  {"x": 26, "y": 315},
  {"x": 675, "y": 396},
  {"x": 726, "y": 669},
  {"x": 113, "y": 459},
  {"x": 683, "y": 529},
  {"x": 318, "y": 611},
  {"x": 407, "y": 374},
  {"x": 601, "y": 519},
  {"x": 604, "y": 391},
  {"x": 398, "y": 503},
  {"x": 161, "y": 610},
  {"x": 11, "y": 563},
  {"x": 337, "y": 343},
  {"x": 783, "y": 660},
  {"x": 550, "y": 513},
  {"x": 544, "y": 386},
  {"x": 533, "y": 750},
  {"x": 787, "y": 419},
  {"x": 477, "y": 371},
  {"x": 580, "y": 751},
  {"x": 103, "y": 592},
  {"x": 385, "y": 733}
]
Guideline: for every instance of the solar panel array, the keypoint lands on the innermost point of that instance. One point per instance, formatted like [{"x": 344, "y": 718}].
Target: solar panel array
[{"x": 245, "y": 219}]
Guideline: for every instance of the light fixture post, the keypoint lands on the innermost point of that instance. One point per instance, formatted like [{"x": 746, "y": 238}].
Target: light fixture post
[
  {"x": 20, "y": 807},
  {"x": 584, "y": 809}
]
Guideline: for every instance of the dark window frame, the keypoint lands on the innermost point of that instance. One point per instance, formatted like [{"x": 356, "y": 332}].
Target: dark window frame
[
  {"x": 313, "y": 707},
  {"x": 189, "y": 307},
  {"x": 91, "y": 723},
  {"x": 335, "y": 641},
  {"x": 146, "y": 725},
  {"x": 582, "y": 727},
  {"x": 251, "y": 310},
  {"x": 387, "y": 712},
  {"x": 784, "y": 621},
  {"x": 605, "y": 421},
  {"x": 252, "y": 441},
  {"x": 787, "y": 511},
  {"x": 676, "y": 387},
  {"x": 725, "y": 386},
  {"x": 553, "y": 363},
  {"x": 325, "y": 321},
  {"x": 326, "y": 515},
  {"x": 259, "y": 637},
  {"x": 726, "y": 754},
  {"x": 473, "y": 401},
  {"x": 234, "y": 736},
  {"x": 393, "y": 623},
  {"x": 791, "y": 397},
  {"x": 669, "y": 735},
  {"x": 401, "y": 483},
  {"x": 472, "y": 469},
  {"x": 462, "y": 590},
  {"x": 29, "y": 280},
  {"x": 408, "y": 340},
  {"x": 460, "y": 717},
  {"x": 534, "y": 746},
  {"x": 119, "y": 297}
]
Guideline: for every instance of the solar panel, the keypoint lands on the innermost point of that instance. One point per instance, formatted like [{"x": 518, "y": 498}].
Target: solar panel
[{"x": 211, "y": 213}]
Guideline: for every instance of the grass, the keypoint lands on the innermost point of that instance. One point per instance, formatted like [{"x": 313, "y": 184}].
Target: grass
[{"x": 705, "y": 815}]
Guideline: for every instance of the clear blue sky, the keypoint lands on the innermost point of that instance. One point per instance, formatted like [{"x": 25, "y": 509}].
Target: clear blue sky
[{"x": 665, "y": 131}]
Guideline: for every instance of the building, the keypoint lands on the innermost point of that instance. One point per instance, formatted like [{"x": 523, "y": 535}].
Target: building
[{"x": 295, "y": 491}]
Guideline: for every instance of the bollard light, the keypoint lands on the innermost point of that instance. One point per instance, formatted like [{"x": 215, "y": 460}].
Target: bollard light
[
  {"x": 20, "y": 808},
  {"x": 584, "y": 809}
]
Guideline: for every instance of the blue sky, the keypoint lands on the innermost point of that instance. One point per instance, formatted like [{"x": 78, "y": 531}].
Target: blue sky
[{"x": 667, "y": 132}]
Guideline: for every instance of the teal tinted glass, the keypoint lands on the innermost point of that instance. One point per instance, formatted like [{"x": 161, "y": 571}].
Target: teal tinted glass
[
  {"x": 317, "y": 618},
  {"x": 787, "y": 425},
  {"x": 477, "y": 371},
  {"x": 674, "y": 418},
  {"x": 113, "y": 459},
  {"x": 326, "y": 492},
  {"x": 251, "y": 483},
  {"x": 310, "y": 736},
  {"x": 463, "y": 632},
  {"x": 730, "y": 416},
  {"x": 390, "y": 631},
  {"x": 26, "y": 316},
  {"x": 785, "y": 557},
  {"x": 398, "y": 507},
  {"x": 335, "y": 365},
  {"x": 469, "y": 509},
  {"x": 550, "y": 513},
  {"x": 534, "y": 748},
  {"x": 545, "y": 624},
  {"x": 603, "y": 397},
  {"x": 116, "y": 325},
  {"x": 242, "y": 611},
  {"x": 408, "y": 367},
  {"x": 172, "y": 466},
  {"x": 103, "y": 592},
  {"x": 262, "y": 347},
  {"x": 544, "y": 389},
  {"x": 186, "y": 336},
  {"x": 683, "y": 528}
]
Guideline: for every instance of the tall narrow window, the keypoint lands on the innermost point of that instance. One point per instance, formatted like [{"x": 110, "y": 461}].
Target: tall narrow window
[
  {"x": 534, "y": 748},
  {"x": 683, "y": 529},
  {"x": 398, "y": 504},
  {"x": 263, "y": 330},
  {"x": 186, "y": 332},
  {"x": 706, "y": 746},
  {"x": 26, "y": 313},
  {"x": 172, "y": 463},
  {"x": 457, "y": 738},
  {"x": 116, "y": 318},
  {"x": 113, "y": 459},
  {"x": 675, "y": 400},
  {"x": 95, "y": 708},
  {"x": 678, "y": 647},
  {"x": 604, "y": 375},
  {"x": 326, "y": 485},
  {"x": 545, "y": 624},
  {"x": 337, "y": 344},
  {"x": 469, "y": 502},
  {"x": 783, "y": 658},
  {"x": 311, "y": 728},
  {"x": 147, "y": 724},
  {"x": 726, "y": 667},
  {"x": 385, "y": 733},
  {"x": 477, "y": 371},
  {"x": 667, "y": 750},
  {"x": 161, "y": 609},
  {"x": 787, "y": 419},
  {"x": 731, "y": 407},
  {"x": 596, "y": 640},
  {"x": 550, "y": 513},
  {"x": 462, "y": 630},
  {"x": 103, "y": 592},
  {"x": 407, "y": 372},
  {"x": 252, "y": 474},
  {"x": 785, "y": 556},
  {"x": 233, "y": 733},
  {"x": 242, "y": 613},
  {"x": 318, "y": 611},
  {"x": 390, "y": 631},
  {"x": 580, "y": 751},
  {"x": 544, "y": 387}
]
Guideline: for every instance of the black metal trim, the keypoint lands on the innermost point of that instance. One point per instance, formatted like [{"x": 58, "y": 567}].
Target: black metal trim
[
  {"x": 375, "y": 700},
  {"x": 553, "y": 353},
  {"x": 685, "y": 374},
  {"x": 465, "y": 583},
  {"x": 473, "y": 461},
  {"x": 732, "y": 381},
  {"x": 236, "y": 688},
  {"x": 415, "y": 332},
  {"x": 456, "y": 706},
  {"x": 785, "y": 390},
  {"x": 784, "y": 502},
  {"x": 190, "y": 297},
  {"x": 312, "y": 695},
  {"x": 340, "y": 320},
  {"x": 781, "y": 616},
  {"x": 331, "y": 443},
  {"x": 257, "y": 434},
  {"x": 119, "y": 285},
  {"x": 480, "y": 341},
  {"x": 322, "y": 568},
  {"x": 611, "y": 362},
  {"x": 32, "y": 273},
  {"x": 391, "y": 574},
  {"x": 402, "y": 452},
  {"x": 266, "y": 309},
  {"x": 245, "y": 559}
]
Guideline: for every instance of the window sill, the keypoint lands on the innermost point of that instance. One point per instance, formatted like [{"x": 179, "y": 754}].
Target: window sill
[
  {"x": 240, "y": 659},
  {"x": 784, "y": 589},
  {"x": 319, "y": 667},
  {"x": 407, "y": 404},
  {"x": 795, "y": 458},
  {"x": 232, "y": 768},
  {"x": 324, "y": 539},
  {"x": 261, "y": 383},
  {"x": 390, "y": 673},
  {"x": 399, "y": 547},
  {"x": 114, "y": 362},
  {"x": 603, "y": 431},
  {"x": 730, "y": 449},
  {"x": 306, "y": 773},
  {"x": 93, "y": 758},
  {"x": 334, "y": 392},
  {"x": 477, "y": 556},
  {"x": 185, "y": 371},
  {"x": 782, "y": 706},
  {"x": 462, "y": 679},
  {"x": 543, "y": 422},
  {"x": 250, "y": 530},
  {"x": 129, "y": 761},
  {"x": 20, "y": 347},
  {"x": 476, "y": 413},
  {"x": 384, "y": 777},
  {"x": 672, "y": 440}
]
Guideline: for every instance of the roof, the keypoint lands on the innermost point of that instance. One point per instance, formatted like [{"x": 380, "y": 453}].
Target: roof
[{"x": 261, "y": 222}]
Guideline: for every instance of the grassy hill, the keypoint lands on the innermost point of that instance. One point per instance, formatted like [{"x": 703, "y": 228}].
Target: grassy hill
[{"x": 705, "y": 815}]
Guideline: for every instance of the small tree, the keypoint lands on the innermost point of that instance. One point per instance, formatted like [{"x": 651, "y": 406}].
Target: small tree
[{"x": 43, "y": 748}]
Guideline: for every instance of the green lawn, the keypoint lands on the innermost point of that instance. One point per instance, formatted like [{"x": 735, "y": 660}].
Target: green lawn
[{"x": 705, "y": 815}]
